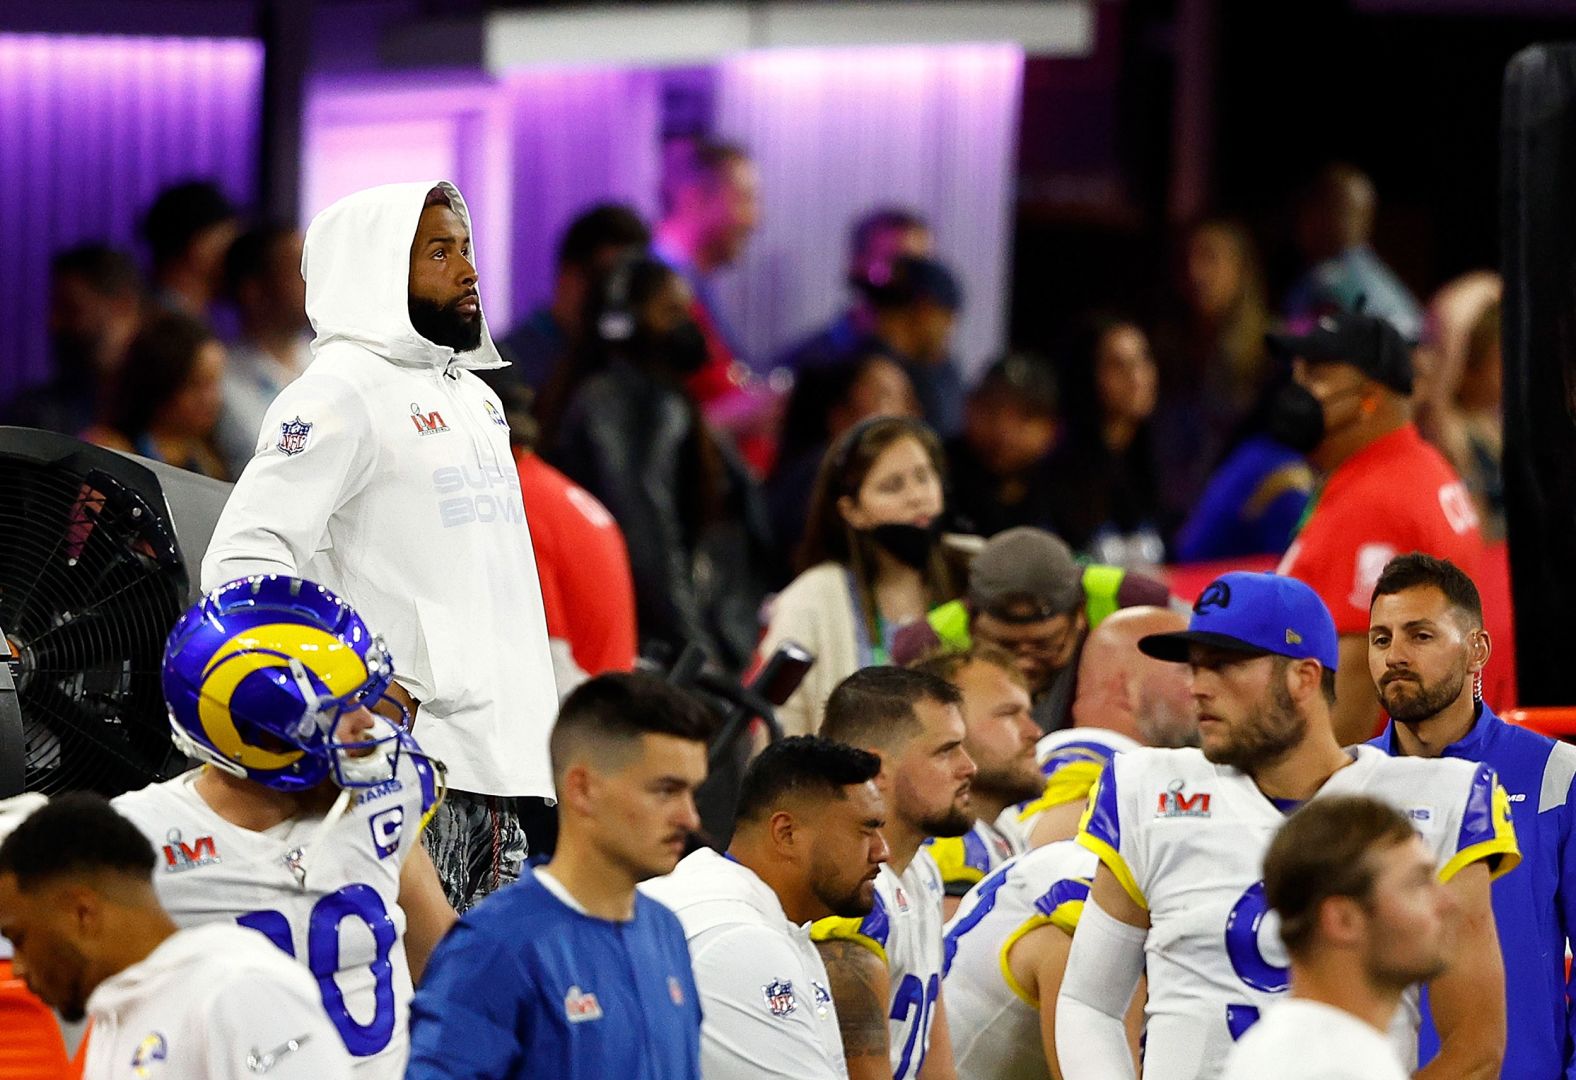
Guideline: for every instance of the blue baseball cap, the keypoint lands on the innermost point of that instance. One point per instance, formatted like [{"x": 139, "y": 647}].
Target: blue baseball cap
[{"x": 1254, "y": 613}]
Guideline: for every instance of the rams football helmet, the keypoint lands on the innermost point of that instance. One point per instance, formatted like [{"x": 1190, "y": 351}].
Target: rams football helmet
[{"x": 257, "y": 675}]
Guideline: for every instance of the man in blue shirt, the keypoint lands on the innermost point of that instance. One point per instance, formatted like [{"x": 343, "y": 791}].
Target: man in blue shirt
[
  {"x": 570, "y": 973},
  {"x": 1426, "y": 652}
]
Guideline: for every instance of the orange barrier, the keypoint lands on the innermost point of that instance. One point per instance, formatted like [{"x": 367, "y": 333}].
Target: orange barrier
[
  {"x": 32, "y": 1048},
  {"x": 1555, "y": 721}
]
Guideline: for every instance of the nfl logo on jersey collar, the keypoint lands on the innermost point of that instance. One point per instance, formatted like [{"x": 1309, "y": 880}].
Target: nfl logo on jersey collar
[{"x": 1254, "y": 613}]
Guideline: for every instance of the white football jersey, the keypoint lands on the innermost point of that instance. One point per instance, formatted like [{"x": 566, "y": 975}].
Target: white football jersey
[
  {"x": 995, "y": 1022},
  {"x": 214, "y": 1002},
  {"x": 965, "y": 861},
  {"x": 1300, "y": 1039},
  {"x": 1186, "y": 839},
  {"x": 342, "y": 920},
  {"x": 904, "y": 930},
  {"x": 765, "y": 998}
]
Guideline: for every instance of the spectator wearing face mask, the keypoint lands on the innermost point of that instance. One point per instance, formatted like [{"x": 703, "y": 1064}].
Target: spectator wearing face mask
[
  {"x": 1385, "y": 491},
  {"x": 871, "y": 563},
  {"x": 620, "y": 421},
  {"x": 826, "y": 401}
]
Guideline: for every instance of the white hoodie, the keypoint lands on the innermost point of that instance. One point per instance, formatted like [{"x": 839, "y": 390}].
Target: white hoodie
[
  {"x": 764, "y": 993},
  {"x": 384, "y": 473},
  {"x": 218, "y": 1002}
]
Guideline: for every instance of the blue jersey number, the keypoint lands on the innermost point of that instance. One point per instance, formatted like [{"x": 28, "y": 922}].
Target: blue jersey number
[
  {"x": 1247, "y": 959},
  {"x": 982, "y": 907},
  {"x": 917, "y": 1000},
  {"x": 356, "y": 901}
]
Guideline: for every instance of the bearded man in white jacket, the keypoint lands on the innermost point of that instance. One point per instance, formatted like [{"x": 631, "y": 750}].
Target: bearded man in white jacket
[
  {"x": 384, "y": 472},
  {"x": 217, "y": 1001}
]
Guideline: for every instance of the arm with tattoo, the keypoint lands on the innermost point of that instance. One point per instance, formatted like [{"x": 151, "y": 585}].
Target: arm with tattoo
[{"x": 861, "y": 990}]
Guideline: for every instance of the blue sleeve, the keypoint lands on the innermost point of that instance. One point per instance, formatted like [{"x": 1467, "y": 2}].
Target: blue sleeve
[
  {"x": 1278, "y": 525},
  {"x": 1100, "y": 831},
  {"x": 467, "y": 1018},
  {"x": 1210, "y": 530},
  {"x": 1486, "y": 832},
  {"x": 1101, "y": 822}
]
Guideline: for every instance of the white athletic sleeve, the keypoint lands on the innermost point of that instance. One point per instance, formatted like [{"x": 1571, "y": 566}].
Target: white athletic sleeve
[
  {"x": 738, "y": 973},
  {"x": 1102, "y": 974},
  {"x": 276, "y": 518},
  {"x": 272, "y": 1027}
]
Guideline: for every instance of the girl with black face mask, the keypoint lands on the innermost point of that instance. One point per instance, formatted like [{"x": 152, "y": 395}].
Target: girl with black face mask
[
  {"x": 619, "y": 421},
  {"x": 871, "y": 564}
]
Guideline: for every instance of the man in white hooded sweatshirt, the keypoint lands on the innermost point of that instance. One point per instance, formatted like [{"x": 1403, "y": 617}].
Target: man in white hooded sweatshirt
[
  {"x": 384, "y": 472},
  {"x": 217, "y": 1001}
]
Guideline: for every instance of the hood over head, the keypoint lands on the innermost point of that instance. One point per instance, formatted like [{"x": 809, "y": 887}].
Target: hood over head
[{"x": 356, "y": 263}]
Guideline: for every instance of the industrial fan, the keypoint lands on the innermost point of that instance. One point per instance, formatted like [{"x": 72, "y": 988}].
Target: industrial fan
[{"x": 92, "y": 577}]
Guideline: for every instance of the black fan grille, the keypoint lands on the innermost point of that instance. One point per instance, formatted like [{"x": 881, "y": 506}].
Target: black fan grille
[{"x": 90, "y": 584}]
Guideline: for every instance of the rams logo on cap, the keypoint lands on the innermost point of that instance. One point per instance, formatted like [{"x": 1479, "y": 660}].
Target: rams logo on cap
[{"x": 1218, "y": 594}]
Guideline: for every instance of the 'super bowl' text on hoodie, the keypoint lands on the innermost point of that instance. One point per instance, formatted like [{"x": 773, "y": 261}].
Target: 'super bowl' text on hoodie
[{"x": 384, "y": 472}]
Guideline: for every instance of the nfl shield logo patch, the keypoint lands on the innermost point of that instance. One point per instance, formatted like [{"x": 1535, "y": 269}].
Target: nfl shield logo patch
[
  {"x": 779, "y": 997},
  {"x": 293, "y": 436}
]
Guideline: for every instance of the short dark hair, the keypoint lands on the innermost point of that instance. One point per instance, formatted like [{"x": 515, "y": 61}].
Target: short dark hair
[
  {"x": 1321, "y": 852},
  {"x": 874, "y": 707},
  {"x": 798, "y": 766},
  {"x": 158, "y": 363},
  {"x": 180, "y": 214},
  {"x": 75, "y": 833},
  {"x": 609, "y": 714},
  {"x": 248, "y": 257},
  {"x": 105, "y": 270},
  {"x": 1416, "y": 570},
  {"x": 882, "y": 219},
  {"x": 603, "y": 225},
  {"x": 1026, "y": 379}
]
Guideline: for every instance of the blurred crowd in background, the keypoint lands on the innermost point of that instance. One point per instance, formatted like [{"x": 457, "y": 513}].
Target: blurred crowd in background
[{"x": 1145, "y": 435}]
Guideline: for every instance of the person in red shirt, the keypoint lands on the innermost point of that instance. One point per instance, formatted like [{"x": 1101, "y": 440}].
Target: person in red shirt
[
  {"x": 1385, "y": 492},
  {"x": 588, "y": 593}
]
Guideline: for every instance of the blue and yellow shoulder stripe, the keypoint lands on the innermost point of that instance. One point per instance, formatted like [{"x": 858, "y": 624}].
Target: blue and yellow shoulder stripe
[{"x": 872, "y": 931}]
